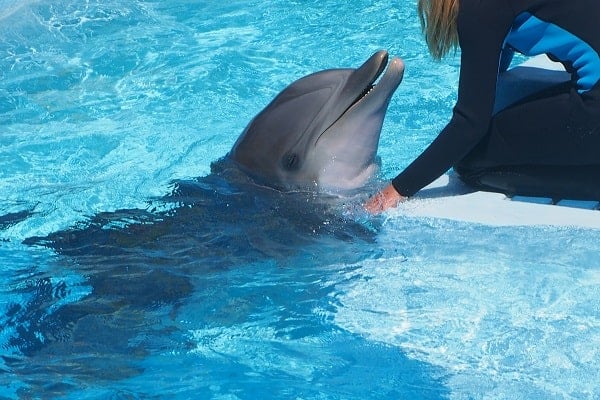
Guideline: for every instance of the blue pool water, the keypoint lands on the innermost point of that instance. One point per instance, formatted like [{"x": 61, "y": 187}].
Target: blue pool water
[{"x": 104, "y": 104}]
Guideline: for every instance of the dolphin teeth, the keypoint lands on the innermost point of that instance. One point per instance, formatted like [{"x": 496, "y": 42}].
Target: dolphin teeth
[{"x": 364, "y": 94}]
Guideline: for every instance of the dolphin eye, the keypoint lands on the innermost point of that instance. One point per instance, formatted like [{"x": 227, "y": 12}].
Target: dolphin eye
[{"x": 291, "y": 161}]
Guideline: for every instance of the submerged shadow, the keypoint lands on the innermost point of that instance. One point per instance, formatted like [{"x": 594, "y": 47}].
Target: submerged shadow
[{"x": 141, "y": 265}]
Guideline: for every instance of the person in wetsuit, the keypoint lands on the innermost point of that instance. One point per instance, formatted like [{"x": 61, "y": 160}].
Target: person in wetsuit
[{"x": 547, "y": 144}]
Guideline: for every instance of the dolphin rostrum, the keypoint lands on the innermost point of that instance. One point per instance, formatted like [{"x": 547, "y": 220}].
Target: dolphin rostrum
[{"x": 322, "y": 131}]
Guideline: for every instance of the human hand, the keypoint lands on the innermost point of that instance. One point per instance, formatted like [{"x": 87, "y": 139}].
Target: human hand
[{"x": 387, "y": 198}]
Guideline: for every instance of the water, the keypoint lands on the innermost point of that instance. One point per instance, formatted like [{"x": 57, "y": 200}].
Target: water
[{"x": 231, "y": 294}]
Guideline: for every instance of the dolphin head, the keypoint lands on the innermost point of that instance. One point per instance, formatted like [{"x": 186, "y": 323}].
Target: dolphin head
[{"x": 322, "y": 131}]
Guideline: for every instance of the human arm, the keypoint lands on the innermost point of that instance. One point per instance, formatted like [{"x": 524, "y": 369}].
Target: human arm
[{"x": 482, "y": 28}]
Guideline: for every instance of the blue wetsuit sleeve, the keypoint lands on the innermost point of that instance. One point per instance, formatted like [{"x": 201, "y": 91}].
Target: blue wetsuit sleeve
[{"x": 482, "y": 28}]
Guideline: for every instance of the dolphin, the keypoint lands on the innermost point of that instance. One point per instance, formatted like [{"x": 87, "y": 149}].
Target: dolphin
[
  {"x": 319, "y": 134},
  {"x": 322, "y": 131}
]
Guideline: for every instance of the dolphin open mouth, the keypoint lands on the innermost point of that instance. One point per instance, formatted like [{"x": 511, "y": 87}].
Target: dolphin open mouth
[
  {"x": 378, "y": 79},
  {"x": 371, "y": 85}
]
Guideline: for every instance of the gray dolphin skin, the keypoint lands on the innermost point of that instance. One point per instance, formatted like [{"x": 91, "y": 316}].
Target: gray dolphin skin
[{"x": 321, "y": 132}]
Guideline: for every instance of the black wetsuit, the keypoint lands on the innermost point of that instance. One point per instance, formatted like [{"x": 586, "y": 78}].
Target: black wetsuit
[{"x": 548, "y": 145}]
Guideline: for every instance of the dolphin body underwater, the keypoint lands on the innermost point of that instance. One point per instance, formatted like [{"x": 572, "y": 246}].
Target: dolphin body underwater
[{"x": 268, "y": 198}]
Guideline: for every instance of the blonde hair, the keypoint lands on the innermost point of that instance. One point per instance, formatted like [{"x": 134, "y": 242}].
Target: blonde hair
[{"x": 438, "y": 22}]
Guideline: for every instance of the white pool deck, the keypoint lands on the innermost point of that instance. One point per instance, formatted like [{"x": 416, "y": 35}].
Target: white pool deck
[{"x": 448, "y": 198}]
